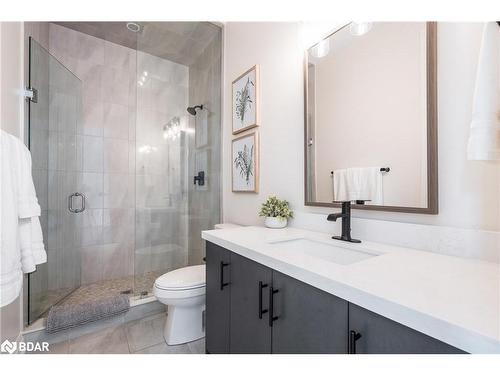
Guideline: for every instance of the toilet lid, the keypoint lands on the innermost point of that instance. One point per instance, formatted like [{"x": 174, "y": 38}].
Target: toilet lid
[{"x": 182, "y": 278}]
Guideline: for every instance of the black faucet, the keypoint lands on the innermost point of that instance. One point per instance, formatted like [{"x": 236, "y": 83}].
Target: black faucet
[{"x": 346, "y": 223}]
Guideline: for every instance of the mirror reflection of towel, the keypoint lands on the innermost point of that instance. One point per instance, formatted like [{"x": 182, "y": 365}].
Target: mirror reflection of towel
[{"x": 358, "y": 184}]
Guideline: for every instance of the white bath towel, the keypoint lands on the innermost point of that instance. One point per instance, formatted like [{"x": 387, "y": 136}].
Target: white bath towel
[
  {"x": 11, "y": 277},
  {"x": 484, "y": 137},
  {"x": 20, "y": 231},
  {"x": 29, "y": 212},
  {"x": 358, "y": 184},
  {"x": 31, "y": 244}
]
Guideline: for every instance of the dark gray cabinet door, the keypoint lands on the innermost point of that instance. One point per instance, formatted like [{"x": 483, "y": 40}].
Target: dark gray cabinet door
[
  {"x": 380, "y": 335},
  {"x": 217, "y": 300},
  {"x": 250, "y": 284},
  {"x": 309, "y": 320}
]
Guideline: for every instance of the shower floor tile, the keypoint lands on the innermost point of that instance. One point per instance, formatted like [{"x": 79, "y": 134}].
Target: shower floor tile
[{"x": 108, "y": 288}]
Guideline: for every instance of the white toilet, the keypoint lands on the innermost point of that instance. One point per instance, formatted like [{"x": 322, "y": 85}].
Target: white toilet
[{"x": 183, "y": 291}]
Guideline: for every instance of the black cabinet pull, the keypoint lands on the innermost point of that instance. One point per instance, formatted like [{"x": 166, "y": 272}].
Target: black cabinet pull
[
  {"x": 261, "y": 311},
  {"x": 353, "y": 337},
  {"x": 221, "y": 274},
  {"x": 272, "y": 318}
]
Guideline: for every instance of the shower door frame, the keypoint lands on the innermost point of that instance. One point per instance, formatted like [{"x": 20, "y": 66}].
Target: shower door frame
[{"x": 28, "y": 319}]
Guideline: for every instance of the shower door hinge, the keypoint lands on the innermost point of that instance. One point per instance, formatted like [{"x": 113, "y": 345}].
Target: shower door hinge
[{"x": 31, "y": 94}]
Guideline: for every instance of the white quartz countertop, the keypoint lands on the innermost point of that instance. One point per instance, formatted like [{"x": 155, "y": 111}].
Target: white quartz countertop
[{"x": 452, "y": 299}]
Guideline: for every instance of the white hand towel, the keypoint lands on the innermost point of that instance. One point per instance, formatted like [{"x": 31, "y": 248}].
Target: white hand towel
[
  {"x": 358, "y": 184},
  {"x": 484, "y": 137}
]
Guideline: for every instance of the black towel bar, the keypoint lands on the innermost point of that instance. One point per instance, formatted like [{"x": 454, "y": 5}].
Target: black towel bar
[{"x": 383, "y": 169}]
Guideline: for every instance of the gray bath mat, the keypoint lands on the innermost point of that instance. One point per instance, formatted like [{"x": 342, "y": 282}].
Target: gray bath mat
[{"x": 69, "y": 316}]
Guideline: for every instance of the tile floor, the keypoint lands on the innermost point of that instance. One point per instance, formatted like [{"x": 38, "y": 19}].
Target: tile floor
[{"x": 142, "y": 336}]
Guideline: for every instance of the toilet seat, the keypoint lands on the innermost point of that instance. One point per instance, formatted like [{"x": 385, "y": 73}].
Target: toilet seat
[
  {"x": 164, "y": 294},
  {"x": 182, "y": 279}
]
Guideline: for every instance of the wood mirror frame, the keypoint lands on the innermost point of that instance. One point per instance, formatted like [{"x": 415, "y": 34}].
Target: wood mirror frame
[{"x": 432, "y": 136}]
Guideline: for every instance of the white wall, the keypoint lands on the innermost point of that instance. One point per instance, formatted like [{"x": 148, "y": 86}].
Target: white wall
[
  {"x": 276, "y": 47},
  {"x": 11, "y": 77},
  {"x": 11, "y": 102},
  {"x": 468, "y": 190}
]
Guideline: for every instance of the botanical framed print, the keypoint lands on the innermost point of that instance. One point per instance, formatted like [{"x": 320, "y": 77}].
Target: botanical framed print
[
  {"x": 245, "y": 163},
  {"x": 245, "y": 97}
]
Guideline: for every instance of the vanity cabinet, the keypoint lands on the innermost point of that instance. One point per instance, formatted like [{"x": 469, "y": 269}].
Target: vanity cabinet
[
  {"x": 370, "y": 333},
  {"x": 261, "y": 310},
  {"x": 251, "y": 308}
]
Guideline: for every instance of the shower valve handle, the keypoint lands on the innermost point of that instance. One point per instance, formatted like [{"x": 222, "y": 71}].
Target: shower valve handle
[{"x": 200, "y": 178}]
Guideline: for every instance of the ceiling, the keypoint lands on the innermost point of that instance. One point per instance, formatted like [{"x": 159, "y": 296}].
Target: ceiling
[{"x": 181, "y": 42}]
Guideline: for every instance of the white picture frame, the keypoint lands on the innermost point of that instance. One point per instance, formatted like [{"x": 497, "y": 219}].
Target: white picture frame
[
  {"x": 245, "y": 163},
  {"x": 245, "y": 100}
]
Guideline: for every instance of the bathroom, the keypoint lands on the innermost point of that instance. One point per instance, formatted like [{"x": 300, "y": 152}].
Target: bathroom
[{"x": 160, "y": 238}]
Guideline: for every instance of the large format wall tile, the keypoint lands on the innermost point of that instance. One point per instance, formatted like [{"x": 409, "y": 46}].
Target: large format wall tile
[
  {"x": 115, "y": 156},
  {"x": 116, "y": 121},
  {"x": 136, "y": 191},
  {"x": 92, "y": 154},
  {"x": 92, "y": 117}
]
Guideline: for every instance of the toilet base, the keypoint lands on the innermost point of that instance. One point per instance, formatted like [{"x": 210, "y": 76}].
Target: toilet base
[{"x": 184, "y": 324}]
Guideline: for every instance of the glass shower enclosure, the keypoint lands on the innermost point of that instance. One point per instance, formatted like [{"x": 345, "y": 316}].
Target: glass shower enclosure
[
  {"x": 116, "y": 152},
  {"x": 173, "y": 146}
]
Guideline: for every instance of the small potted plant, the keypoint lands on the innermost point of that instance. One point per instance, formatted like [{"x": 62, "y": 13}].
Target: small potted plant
[{"x": 276, "y": 211}]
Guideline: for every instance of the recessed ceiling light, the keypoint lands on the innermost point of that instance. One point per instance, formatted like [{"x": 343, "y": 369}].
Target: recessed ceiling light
[{"x": 134, "y": 27}]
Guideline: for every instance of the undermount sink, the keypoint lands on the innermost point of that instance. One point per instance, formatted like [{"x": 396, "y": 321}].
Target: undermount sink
[{"x": 328, "y": 251}]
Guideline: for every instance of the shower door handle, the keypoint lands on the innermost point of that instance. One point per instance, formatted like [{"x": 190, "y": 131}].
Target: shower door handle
[{"x": 70, "y": 203}]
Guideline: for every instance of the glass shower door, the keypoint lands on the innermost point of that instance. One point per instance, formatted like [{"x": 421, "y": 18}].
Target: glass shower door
[{"x": 54, "y": 114}]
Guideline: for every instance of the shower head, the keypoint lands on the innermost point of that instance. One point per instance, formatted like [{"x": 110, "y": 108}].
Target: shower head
[{"x": 192, "y": 110}]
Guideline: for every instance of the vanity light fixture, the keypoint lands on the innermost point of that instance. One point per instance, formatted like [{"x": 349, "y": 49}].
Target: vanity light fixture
[
  {"x": 321, "y": 49},
  {"x": 360, "y": 28}
]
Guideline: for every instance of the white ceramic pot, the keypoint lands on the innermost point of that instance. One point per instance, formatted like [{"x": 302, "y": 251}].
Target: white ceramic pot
[{"x": 275, "y": 222}]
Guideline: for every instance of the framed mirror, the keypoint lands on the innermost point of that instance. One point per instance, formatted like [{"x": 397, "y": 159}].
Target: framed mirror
[{"x": 371, "y": 111}]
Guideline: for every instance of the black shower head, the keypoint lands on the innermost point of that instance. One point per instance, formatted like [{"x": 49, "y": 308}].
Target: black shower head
[{"x": 192, "y": 110}]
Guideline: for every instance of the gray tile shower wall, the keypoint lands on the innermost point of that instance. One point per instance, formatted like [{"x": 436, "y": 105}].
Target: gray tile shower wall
[
  {"x": 104, "y": 167},
  {"x": 161, "y": 185},
  {"x": 204, "y": 88}
]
